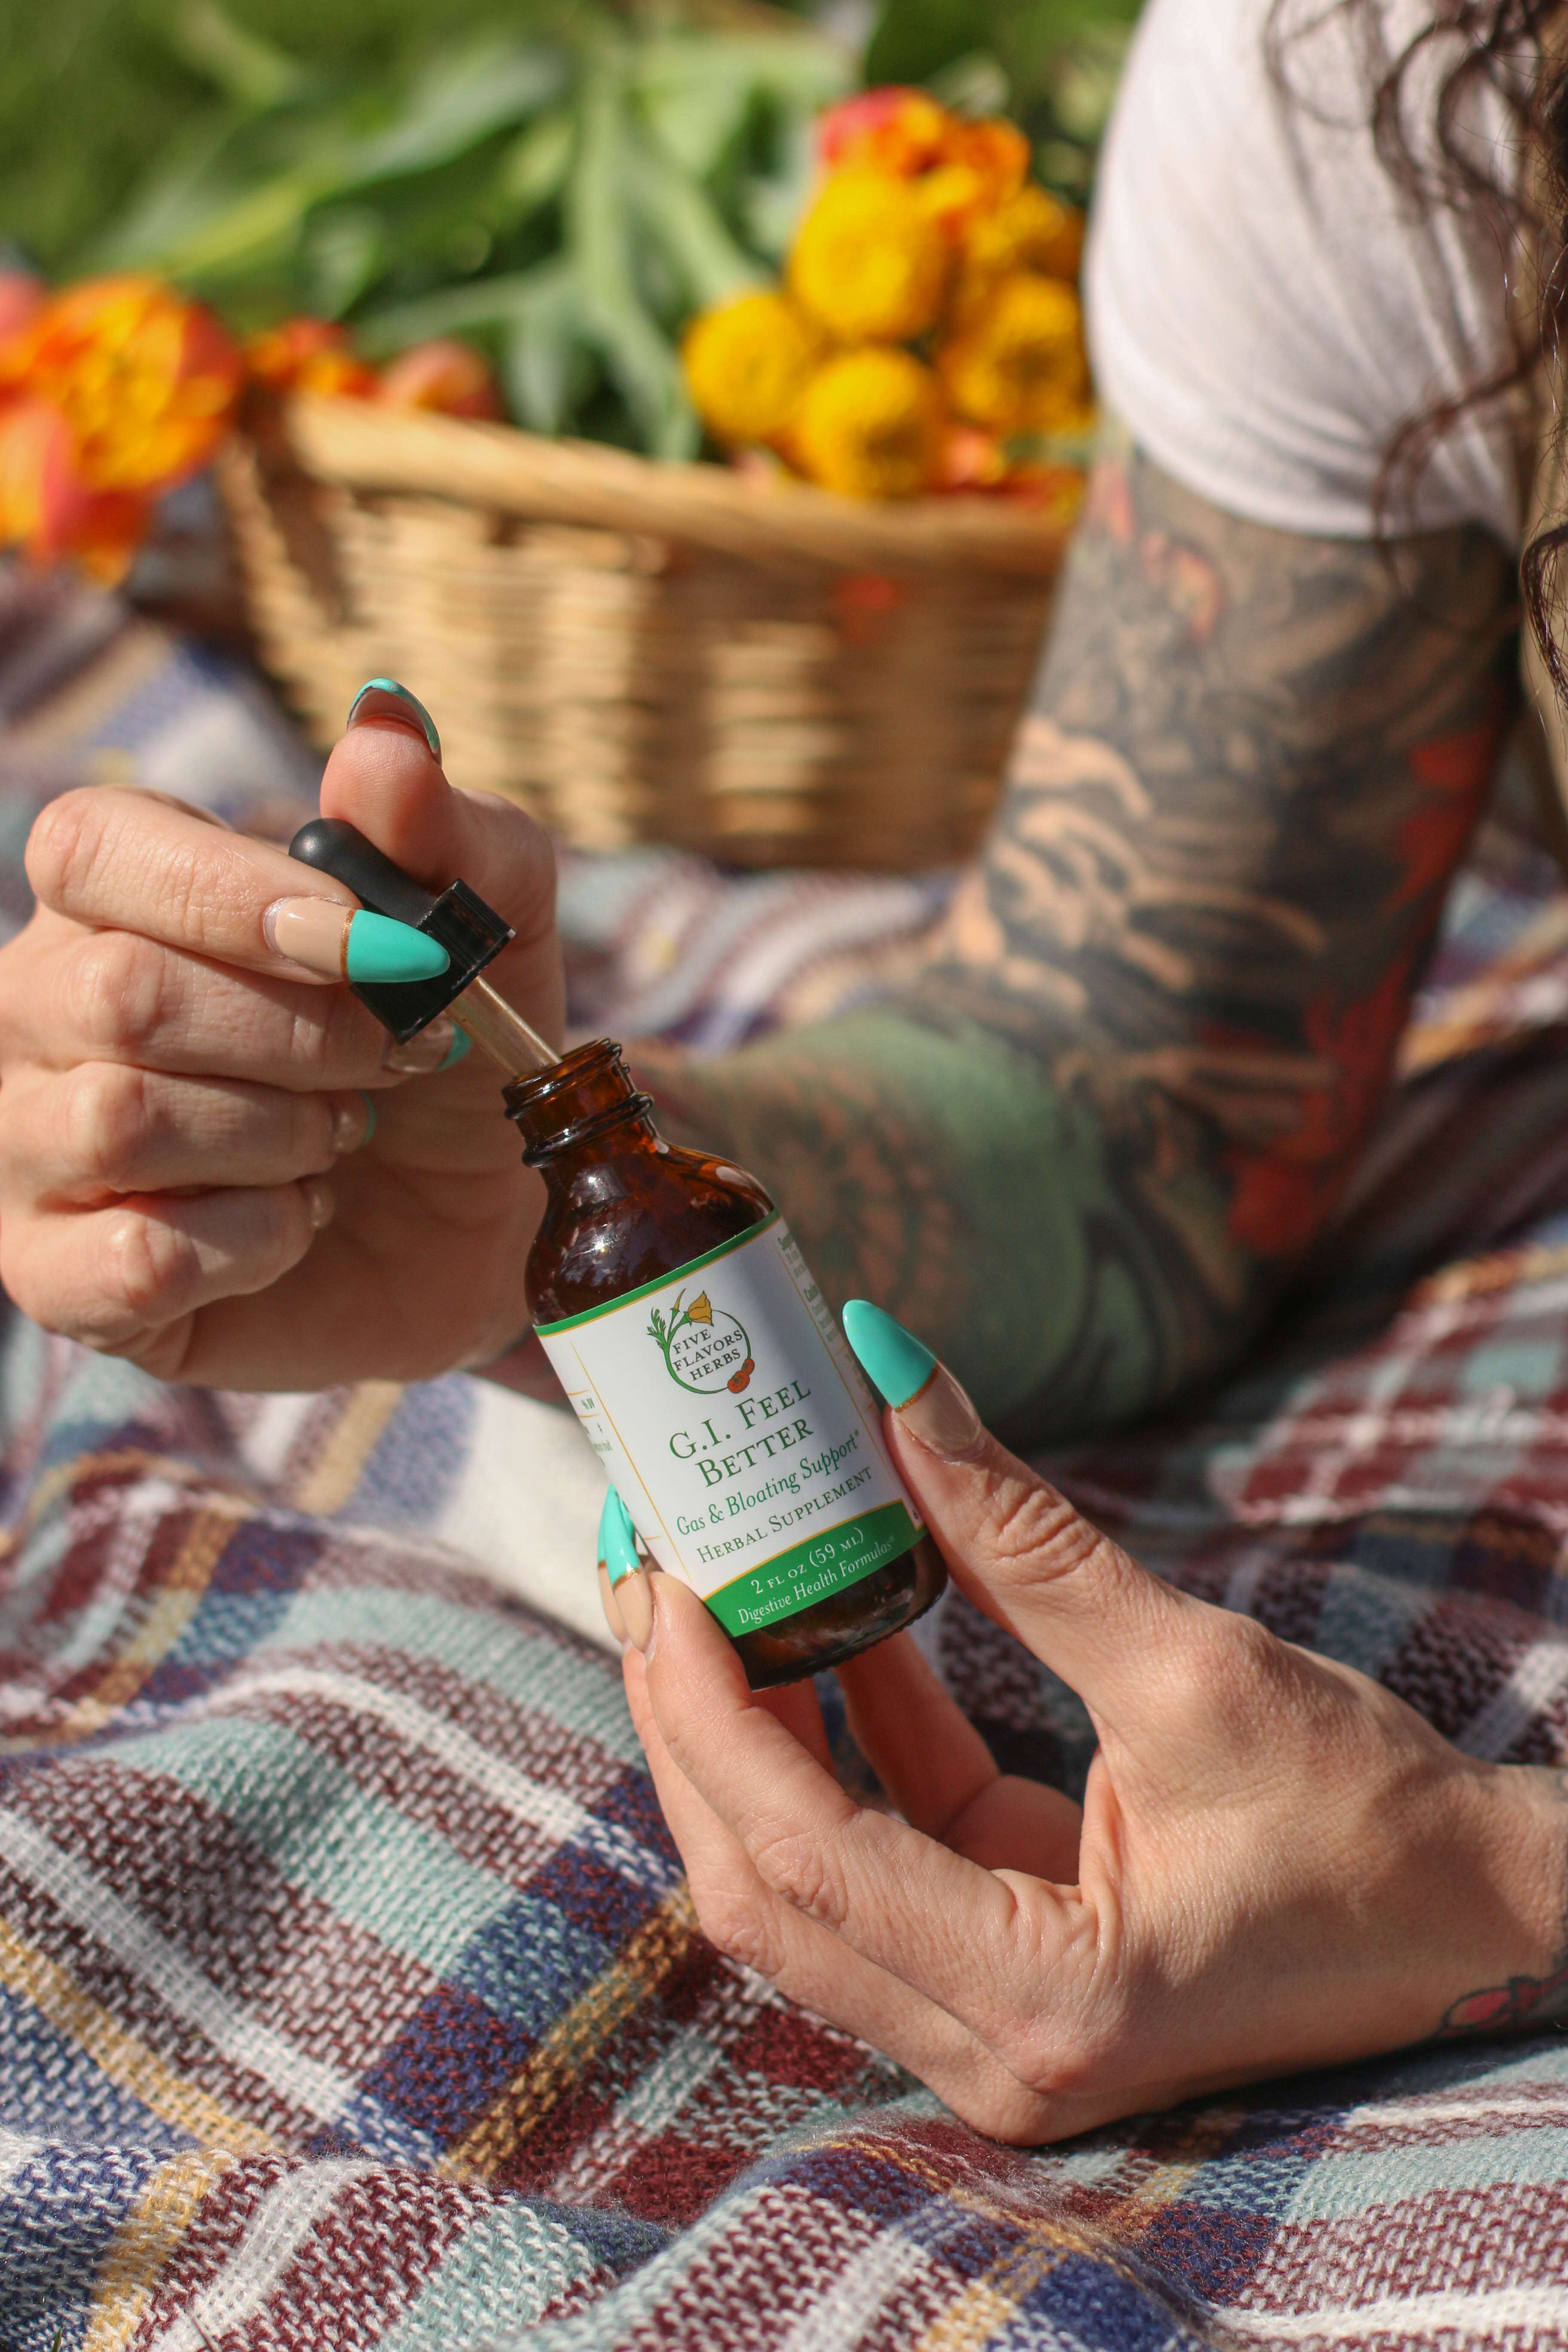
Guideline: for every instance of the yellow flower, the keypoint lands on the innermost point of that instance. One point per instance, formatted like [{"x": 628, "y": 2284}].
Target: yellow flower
[
  {"x": 870, "y": 426},
  {"x": 1031, "y": 230},
  {"x": 747, "y": 365},
  {"x": 700, "y": 1309},
  {"x": 1017, "y": 364},
  {"x": 868, "y": 264}
]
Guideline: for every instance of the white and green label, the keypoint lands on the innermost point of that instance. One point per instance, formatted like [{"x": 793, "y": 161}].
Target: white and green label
[{"x": 726, "y": 1405}]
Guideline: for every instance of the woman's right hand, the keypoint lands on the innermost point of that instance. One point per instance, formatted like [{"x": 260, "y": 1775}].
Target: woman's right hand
[{"x": 190, "y": 1173}]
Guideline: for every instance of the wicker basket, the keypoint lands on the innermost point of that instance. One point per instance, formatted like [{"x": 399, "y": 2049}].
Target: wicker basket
[{"x": 643, "y": 652}]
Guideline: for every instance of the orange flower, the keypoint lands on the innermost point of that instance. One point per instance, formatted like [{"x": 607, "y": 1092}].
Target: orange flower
[
  {"x": 970, "y": 460},
  {"x": 309, "y": 355},
  {"x": 21, "y": 300},
  {"x": 46, "y": 506},
  {"x": 443, "y": 375},
  {"x": 113, "y": 392},
  {"x": 887, "y": 130},
  {"x": 983, "y": 166}
]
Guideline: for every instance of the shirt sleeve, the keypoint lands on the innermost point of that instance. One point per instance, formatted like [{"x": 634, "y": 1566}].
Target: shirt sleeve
[{"x": 1266, "y": 306}]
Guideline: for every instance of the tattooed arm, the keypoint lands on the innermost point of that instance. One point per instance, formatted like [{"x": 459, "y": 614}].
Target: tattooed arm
[{"x": 1081, "y": 1152}]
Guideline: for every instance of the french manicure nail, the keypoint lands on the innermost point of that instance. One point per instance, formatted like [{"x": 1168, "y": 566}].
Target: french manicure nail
[
  {"x": 383, "y": 698},
  {"x": 318, "y": 1201},
  {"x": 354, "y": 1123},
  {"x": 623, "y": 1568},
  {"x": 429, "y": 1049},
  {"x": 613, "y": 1617},
  {"x": 922, "y": 1391},
  {"x": 349, "y": 943},
  {"x": 461, "y": 1041},
  {"x": 633, "y": 1598},
  {"x": 313, "y": 933}
]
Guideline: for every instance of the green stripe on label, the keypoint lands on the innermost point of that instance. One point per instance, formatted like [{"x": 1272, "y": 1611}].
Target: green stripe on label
[
  {"x": 675, "y": 1273},
  {"x": 808, "y": 1572}
]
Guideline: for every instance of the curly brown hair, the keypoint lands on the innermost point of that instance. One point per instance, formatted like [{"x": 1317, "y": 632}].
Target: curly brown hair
[{"x": 1505, "y": 47}]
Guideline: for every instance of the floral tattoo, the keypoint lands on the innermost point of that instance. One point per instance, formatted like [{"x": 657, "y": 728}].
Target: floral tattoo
[{"x": 1081, "y": 1148}]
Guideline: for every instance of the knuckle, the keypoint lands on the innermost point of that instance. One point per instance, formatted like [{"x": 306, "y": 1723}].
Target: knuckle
[
  {"x": 115, "y": 991},
  {"x": 105, "y": 1117},
  {"x": 1231, "y": 1680},
  {"x": 143, "y": 1260},
  {"x": 1032, "y": 1529},
  {"x": 798, "y": 1868},
  {"x": 332, "y": 1041},
  {"x": 64, "y": 844},
  {"x": 739, "y": 1926}
]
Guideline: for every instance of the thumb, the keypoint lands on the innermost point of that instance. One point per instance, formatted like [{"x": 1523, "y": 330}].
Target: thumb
[
  {"x": 385, "y": 776},
  {"x": 1013, "y": 1543}
]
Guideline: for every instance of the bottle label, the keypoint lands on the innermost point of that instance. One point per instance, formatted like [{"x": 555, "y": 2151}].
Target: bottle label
[{"x": 726, "y": 1405}]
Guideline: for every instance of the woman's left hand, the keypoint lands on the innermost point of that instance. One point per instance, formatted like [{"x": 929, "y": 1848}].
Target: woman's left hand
[{"x": 1278, "y": 1863}]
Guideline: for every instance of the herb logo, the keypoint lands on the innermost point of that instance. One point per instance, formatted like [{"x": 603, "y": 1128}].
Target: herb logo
[{"x": 705, "y": 1349}]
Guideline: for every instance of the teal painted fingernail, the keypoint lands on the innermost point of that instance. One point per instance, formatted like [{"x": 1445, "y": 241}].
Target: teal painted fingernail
[
  {"x": 370, "y": 1116},
  {"x": 407, "y": 706},
  {"x": 617, "y": 1540},
  {"x": 459, "y": 1045},
  {"x": 379, "y": 949},
  {"x": 897, "y": 1364}
]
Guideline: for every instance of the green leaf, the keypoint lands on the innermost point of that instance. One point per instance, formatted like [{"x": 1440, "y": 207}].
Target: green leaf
[
  {"x": 464, "y": 99},
  {"x": 344, "y": 252},
  {"x": 239, "y": 233},
  {"x": 640, "y": 361},
  {"x": 697, "y": 90},
  {"x": 973, "y": 84},
  {"x": 771, "y": 206},
  {"x": 489, "y": 302},
  {"x": 549, "y": 364},
  {"x": 672, "y": 207},
  {"x": 534, "y": 169},
  {"x": 251, "y": 71}
]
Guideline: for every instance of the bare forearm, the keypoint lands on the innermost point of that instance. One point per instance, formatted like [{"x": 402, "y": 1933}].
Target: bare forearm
[{"x": 1081, "y": 1152}]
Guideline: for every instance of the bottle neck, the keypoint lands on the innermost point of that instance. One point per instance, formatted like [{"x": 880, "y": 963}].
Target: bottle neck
[{"x": 581, "y": 1110}]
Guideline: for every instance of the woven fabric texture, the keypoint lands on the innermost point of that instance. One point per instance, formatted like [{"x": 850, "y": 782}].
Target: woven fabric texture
[{"x": 350, "y": 1994}]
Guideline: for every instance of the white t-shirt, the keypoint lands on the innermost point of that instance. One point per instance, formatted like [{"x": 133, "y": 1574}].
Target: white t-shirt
[{"x": 1266, "y": 306}]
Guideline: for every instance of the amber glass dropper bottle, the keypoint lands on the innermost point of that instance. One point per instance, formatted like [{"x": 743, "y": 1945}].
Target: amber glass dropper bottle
[
  {"x": 705, "y": 1366},
  {"x": 714, "y": 1380}
]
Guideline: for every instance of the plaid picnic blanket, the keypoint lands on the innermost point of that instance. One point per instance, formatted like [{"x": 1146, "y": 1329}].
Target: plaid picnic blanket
[{"x": 350, "y": 1994}]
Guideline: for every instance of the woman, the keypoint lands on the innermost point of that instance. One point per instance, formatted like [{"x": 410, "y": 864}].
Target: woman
[{"x": 1078, "y": 1155}]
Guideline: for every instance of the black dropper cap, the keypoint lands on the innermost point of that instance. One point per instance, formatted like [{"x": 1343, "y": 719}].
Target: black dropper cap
[{"x": 457, "y": 917}]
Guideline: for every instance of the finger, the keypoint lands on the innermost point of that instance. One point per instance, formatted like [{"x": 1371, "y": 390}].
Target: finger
[
  {"x": 749, "y": 1922},
  {"x": 922, "y": 1748},
  {"x": 942, "y": 1776},
  {"x": 107, "y": 1128},
  {"x": 799, "y": 1708},
  {"x": 107, "y": 1275},
  {"x": 1016, "y": 1546},
  {"x": 117, "y": 996},
  {"x": 382, "y": 778},
  {"x": 119, "y": 860},
  {"x": 952, "y": 1931}
]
